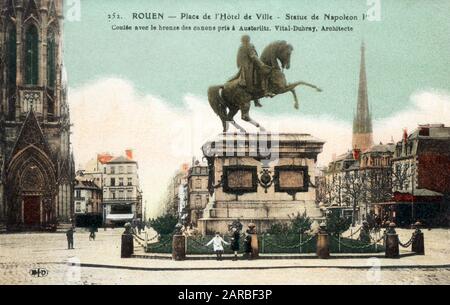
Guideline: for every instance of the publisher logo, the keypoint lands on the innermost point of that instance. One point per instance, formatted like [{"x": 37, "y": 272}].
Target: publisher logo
[{"x": 39, "y": 272}]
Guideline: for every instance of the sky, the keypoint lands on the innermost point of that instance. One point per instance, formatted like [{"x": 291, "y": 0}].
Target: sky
[{"x": 147, "y": 90}]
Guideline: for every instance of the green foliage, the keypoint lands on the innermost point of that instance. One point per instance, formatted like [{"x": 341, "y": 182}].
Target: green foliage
[
  {"x": 337, "y": 224},
  {"x": 299, "y": 223},
  {"x": 278, "y": 228},
  {"x": 164, "y": 224},
  {"x": 164, "y": 245}
]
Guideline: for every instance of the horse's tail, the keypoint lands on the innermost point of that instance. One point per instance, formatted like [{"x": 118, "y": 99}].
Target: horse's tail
[{"x": 216, "y": 102}]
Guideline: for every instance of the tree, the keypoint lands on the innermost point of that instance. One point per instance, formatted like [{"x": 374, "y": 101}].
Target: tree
[
  {"x": 300, "y": 223},
  {"x": 326, "y": 192},
  {"x": 164, "y": 224},
  {"x": 401, "y": 175},
  {"x": 378, "y": 185},
  {"x": 354, "y": 189},
  {"x": 337, "y": 188},
  {"x": 337, "y": 224},
  {"x": 278, "y": 228}
]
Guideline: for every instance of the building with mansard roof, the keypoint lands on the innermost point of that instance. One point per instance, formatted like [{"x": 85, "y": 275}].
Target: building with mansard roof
[
  {"x": 36, "y": 163},
  {"x": 420, "y": 178}
]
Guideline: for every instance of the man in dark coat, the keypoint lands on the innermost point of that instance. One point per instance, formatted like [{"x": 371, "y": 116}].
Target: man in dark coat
[
  {"x": 248, "y": 244},
  {"x": 69, "y": 235},
  {"x": 235, "y": 242},
  {"x": 92, "y": 231}
]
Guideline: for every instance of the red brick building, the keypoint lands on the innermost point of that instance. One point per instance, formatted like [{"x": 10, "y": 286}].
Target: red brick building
[{"x": 420, "y": 178}]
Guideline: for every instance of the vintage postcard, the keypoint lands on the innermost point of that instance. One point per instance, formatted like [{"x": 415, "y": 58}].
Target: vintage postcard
[{"x": 192, "y": 142}]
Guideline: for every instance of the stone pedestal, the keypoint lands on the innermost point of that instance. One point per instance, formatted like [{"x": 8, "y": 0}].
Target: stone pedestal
[
  {"x": 259, "y": 178},
  {"x": 323, "y": 248},
  {"x": 127, "y": 246},
  {"x": 179, "y": 247}
]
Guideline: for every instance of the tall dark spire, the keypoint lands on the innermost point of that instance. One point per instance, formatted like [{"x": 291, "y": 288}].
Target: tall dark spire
[{"x": 362, "y": 122}]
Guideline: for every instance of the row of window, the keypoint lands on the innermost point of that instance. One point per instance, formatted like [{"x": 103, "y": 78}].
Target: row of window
[
  {"x": 198, "y": 184},
  {"x": 381, "y": 161},
  {"x": 79, "y": 210},
  {"x": 121, "y": 194},
  {"x": 31, "y": 52},
  {"x": 120, "y": 170},
  {"x": 120, "y": 181},
  {"x": 78, "y": 194}
]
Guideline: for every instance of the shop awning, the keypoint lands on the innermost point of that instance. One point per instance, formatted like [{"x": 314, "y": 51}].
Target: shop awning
[
  {"x": 402, "y": 203},
  {"x": 120, "y": 217}
]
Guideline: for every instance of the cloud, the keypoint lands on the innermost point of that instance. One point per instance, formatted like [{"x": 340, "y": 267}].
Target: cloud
[{"x": 110, "y": 115}]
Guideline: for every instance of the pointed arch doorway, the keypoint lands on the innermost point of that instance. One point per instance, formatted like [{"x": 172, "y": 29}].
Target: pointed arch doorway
[{"x": 32, "y": 202}]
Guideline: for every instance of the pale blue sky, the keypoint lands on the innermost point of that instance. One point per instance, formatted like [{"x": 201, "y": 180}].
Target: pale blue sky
[{"x": 408, "y": 50}]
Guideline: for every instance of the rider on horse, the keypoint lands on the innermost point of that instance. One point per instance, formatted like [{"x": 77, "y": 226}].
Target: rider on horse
[
  {"x": 253, "y": 73},
  {"x": 257, "y": 78}
]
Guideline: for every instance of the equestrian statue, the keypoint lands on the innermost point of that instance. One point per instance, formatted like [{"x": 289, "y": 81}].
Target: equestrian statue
[{"x": 258, "y": 77}]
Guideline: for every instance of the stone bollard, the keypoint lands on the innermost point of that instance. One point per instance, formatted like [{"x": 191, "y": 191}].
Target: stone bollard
[
  {"x": 418, "y": 245},
  {"x": 323, "y": 246},
  {"x": 127, "y": 245},
  {"x": 392, "y": 250},
  {"x": 178, "y": 244},
  {"x": 254, "y": 240},
  {"x": 179, "y": 247}
]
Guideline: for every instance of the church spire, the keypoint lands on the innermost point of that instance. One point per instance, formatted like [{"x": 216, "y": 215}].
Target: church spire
[{"x": 362, "y": 122}]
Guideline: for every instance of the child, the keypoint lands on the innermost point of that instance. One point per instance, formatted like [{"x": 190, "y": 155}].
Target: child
[{"x": 217, "y": 242}]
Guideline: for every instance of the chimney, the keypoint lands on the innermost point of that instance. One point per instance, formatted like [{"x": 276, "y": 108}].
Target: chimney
[
  {"x": 184, "y": 167},
  {"x": 356, "y": 153},
  {"x": 129, "y": 154}
]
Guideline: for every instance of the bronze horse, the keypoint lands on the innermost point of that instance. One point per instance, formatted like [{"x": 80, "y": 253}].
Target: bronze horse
[{"x": 226, "y": 100}]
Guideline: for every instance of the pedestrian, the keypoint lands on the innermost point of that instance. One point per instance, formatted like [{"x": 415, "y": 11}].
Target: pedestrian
[
  {"x": 248, "y": 244},
  {"x": 235, "y": 242},
  {"x": 140, "y": 227},
  {"x": 217, "y": 242},
  {"x": 92, "y": 230},
  {"x": 69, "y": 235}
]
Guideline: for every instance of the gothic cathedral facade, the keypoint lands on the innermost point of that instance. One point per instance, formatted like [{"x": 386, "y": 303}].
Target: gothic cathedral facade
[{"x": 36, "y": 163}]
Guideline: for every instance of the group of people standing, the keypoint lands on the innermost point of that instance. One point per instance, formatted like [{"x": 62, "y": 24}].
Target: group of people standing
[{"x": 249, "y": 237}]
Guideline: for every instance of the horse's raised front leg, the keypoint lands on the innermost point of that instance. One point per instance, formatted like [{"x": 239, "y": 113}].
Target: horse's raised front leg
[{"x": 292, "y": 86}]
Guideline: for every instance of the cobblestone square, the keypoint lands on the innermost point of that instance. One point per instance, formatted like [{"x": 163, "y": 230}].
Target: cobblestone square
[{"x": 99, "y": 262}]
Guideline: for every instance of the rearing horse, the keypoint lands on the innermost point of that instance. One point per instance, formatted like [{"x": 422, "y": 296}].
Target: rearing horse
[{"x": 226, "y": 100}]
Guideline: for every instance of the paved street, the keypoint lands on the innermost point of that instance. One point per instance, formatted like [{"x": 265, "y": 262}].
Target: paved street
[{"x": 101, "y": 264}]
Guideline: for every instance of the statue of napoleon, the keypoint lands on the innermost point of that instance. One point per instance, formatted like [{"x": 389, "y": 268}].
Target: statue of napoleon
[{"x": 258, "y": 77}]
